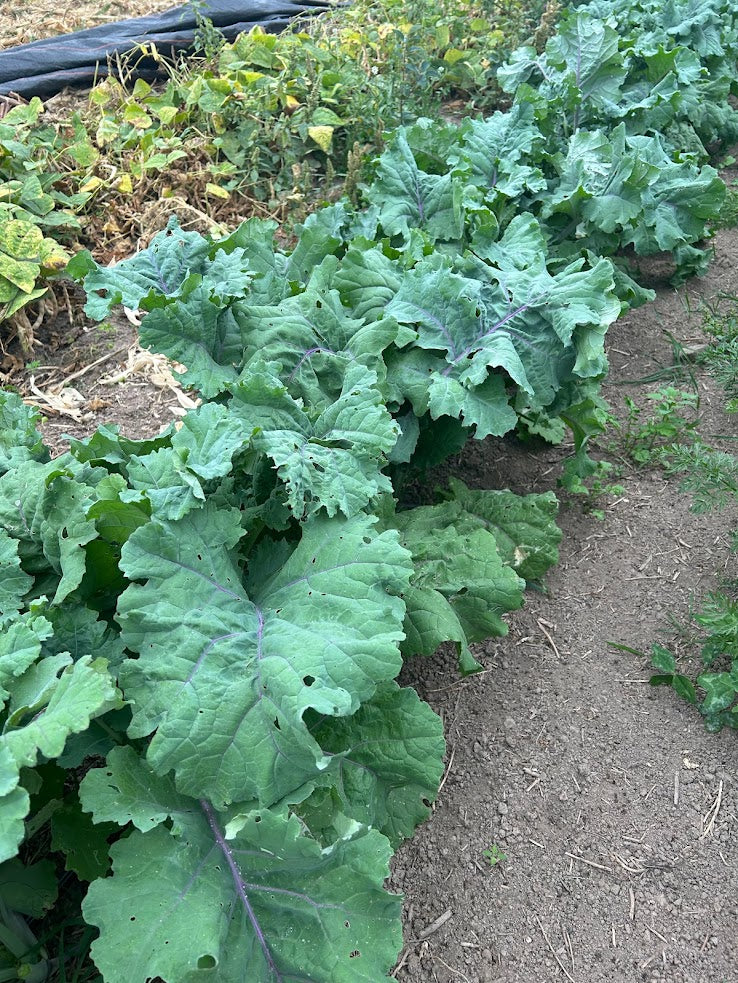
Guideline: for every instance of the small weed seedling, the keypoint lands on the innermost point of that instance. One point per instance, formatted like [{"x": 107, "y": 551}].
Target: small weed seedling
[{"x": 494, "y": 855}]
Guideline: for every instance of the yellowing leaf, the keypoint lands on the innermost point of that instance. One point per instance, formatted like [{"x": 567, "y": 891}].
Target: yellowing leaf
[
  {"x": 323, "y": 116},
  {"x": 12, "y": 299},
  {"x": 92, "y": 184},
  {"x": 7, "y": 293},
  {"x": 52, "y": 256},
  {"x": 106, "y": 132},
  {"x": 125, "y": 185},
  {"x": 453, "y": 55},
  {"x": 166, "y": 113},
  {"x": 216, "y": 191},
  {"x": 20, "y": 249},
  {"x": 223, "y": 86},
  {"x": 137, "y": 115},
  {"x": 100, "y": 95},
  {"x": 323, "y": 136}
]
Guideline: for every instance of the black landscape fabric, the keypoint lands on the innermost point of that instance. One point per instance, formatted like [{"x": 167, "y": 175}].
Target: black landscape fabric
[{"x": 45, "y": 67}]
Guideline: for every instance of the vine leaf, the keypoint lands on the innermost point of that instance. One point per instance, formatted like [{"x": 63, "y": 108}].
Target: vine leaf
[
  {"x": 45, "y": 507},
  {"x": 461, "y": 585},
  {"x": 173, "y": 478},
  {"x": 524, "y": 526},
  {"x": 408, "y": 198},
  {"x": 129, "y": 791},
  {"x": 159, "y": 274}
]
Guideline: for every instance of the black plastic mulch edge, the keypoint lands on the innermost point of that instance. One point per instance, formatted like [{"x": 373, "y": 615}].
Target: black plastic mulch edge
[{"x": 45, "y": 67}]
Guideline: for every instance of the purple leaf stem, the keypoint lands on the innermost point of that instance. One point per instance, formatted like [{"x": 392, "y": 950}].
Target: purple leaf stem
[
  {"x": 240, "y": 889},
  {"x": 501, "y": 323},
  {"x": 419, "y": 200},
  {"x": 441, "y": 327},
  {"x": 306, "y": 356}
]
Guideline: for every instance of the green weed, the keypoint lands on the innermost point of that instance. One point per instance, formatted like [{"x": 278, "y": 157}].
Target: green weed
[
  {"x": 670, "y": 438},
  {"x": 494, "y": 855},
  {"x": 714, "y": 691},
  {"x": 592, "y": 479},
  {"x": 647, "y": 438},
  {"x": 728, "y": 218},
  {"x": 721, "y": 356}
]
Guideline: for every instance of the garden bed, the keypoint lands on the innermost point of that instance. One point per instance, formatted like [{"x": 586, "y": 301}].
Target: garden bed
[{"x": 585, "y": 819}]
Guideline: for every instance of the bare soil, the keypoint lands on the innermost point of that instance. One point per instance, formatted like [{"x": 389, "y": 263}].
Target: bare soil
[{"x": 614, "y": 808}]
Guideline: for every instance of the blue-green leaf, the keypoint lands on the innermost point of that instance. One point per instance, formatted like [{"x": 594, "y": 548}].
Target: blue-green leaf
[
  {"x": 332, "y": 462},
  {"x": 268, "y": 905},
  {"x": 226, "y": 671}
]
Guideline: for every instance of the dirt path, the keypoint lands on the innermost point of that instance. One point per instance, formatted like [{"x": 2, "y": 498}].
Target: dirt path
[{"x": 597, "y": 788}]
